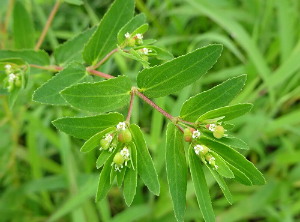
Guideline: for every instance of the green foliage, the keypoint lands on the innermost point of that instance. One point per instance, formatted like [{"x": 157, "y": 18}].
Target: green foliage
[
  {"x": 117, "y": 45},
  {"x": 71, "y": 49},
  {"x": 172, "y": 76},
  {"x": 49, "y": 93},
  {"x": 23, "y": 27},
  {"x": 104, "y": 39},
  {"x": 99, "y": 97},
  {"x": 86, "y": 127},
  {"x": 176, "y": 170},
  {"x": 212, "y": 99}
]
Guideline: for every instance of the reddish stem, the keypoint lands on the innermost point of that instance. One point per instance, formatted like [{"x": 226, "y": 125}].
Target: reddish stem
[
  {"x": 104, "y": 59},
  {"x": 101, "y": 74},
  {"x": 48, "y": 23},
  {"x": 130, "y": 106},
  {"x": 151, "y": 103},
  {"x": 49, "y": 68}
]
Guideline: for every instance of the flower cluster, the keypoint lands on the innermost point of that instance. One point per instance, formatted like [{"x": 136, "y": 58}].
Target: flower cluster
[
  {"x": 111, "y": 140},
  {"x": 218, "y": 130},
  {"x": 13, "y": 79},
  {"x": 133, "y": 40},
  {"x": 203, "y": 152}
]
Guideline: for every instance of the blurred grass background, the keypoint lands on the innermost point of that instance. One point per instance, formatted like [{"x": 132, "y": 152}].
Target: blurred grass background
[{"x": 44, "y": 177}]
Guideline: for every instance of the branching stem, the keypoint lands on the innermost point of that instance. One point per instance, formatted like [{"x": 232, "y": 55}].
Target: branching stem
[
  {"x": 104, "y": 59},
  {"x": 48, "y": 23},
  {"x": 130, "y": 106}
]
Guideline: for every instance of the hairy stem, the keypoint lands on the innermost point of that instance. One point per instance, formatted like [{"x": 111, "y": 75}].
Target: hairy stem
[
  {"x": 48, "y": 23},
  {"x": 130, "y": 106},
  {"x": 104, "y": 59}
]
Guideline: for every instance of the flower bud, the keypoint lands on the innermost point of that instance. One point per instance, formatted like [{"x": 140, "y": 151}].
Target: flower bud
[
  {"x": 104, "y": 144},
  {"x": 118, "y": 159},
  {"x": 131, "y": 42},
  {"x": 187, "y": 135},
  {"x": 125, "y": 136},
  {"x": 219, "y": 132}
]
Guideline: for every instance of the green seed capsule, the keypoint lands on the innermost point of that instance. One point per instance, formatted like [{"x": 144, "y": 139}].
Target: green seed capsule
[
  {"x": 118, "y": 159},
  {"x": 131, "y": 42},
  {"x": 104, "y": 144},
  {"x": 125, "y": 136},
  {"x": 219, "y": 132},
  {"x": 205, "y": 150}
]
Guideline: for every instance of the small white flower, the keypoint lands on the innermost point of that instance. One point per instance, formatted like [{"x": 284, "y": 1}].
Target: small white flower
[
  {"x": 108, "y": 138},
  {"x": 12, "y": 77},
  {"x": 196, "y": 134},
  {"x": 211, "y": 159},
  {"x": 139, "y": 36},
  {"x": 127, "y": 35},
  {"x": 198, "y": 148},
  {"x": 125, "y": 153},
  {"x": 216, "y": 167},
  {"x": 8, "y": 67},
  {"x": 212, "y": 127},
  {"x": 146, "y": 51},
  {"x": 121, "y": 126}
]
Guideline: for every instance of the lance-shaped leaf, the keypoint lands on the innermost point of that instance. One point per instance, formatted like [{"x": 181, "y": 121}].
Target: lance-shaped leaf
[
  {"x": 132, "y": 25},
  {"x": 176, "y": 170},
  {"x": 222, "y": 184},
  {"x": 86, "y": 127},
  {"x": 39, "y": 57},
  {"x": 229, "y": 112},
  {"x": 130, "y": 183},
  {"x": 178, "y": 73},
  {"x": 223, "y": 169},
  {"x": 161, "y": 53},
  {"x": 49, "y": 93},
  {"x": 104, "y": 180},
  {"x": 219, "y": 96},
  {"x": 104, "y": 155},
  {"x": 100, "y": 96},
  {"x": 145, "y": 165},
  {"x": 72, "y": 49},
  {"x": 228, "y": 141},
  {"x": 94, "y": 141},
  {"x": 120, "y": 176},
  {"x": 237, "y": 160},
  {"x": 239, "y": 176},
  {"x": 105, "y": 38},
  {"x": 23, "y": 27},
  {"x": 201, "y": 188}
]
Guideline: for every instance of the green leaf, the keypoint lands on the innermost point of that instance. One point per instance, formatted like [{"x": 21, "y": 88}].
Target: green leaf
[
  {"x": 104, "y": 180},
  {"x": 120, "y": 176},
  {"x": 74, "y": 2},
  {"x": 132, "y": 25},
  {"x": 221, "y": 183},
  {"x": 130, "y": 183},
  {"x": 86, "y": 127},
  {"x": 240, "y": 177},
  {"x": 72, "y": 49},
  {"x": 134, "y": 55},
  {"x": 113, "y": 175},
  {"x": 228, "y": 141},
  {"x": 176, "y": 170},
  {"x": 161, "y": 53},
  {"x": 223, "y": 169},
  {"x": 23, "y": 28},
  {"x": 237, "y": 160},
  {"x": 94, "y": 141},
  {"x": 39, "y": 57},
  {"x": 104, "y": 155},
  {"x": 145, "y": 165},
  {"x": 178, "y": 73},
  {"x": 140, "y": 30},
  {"x": 219, "y": 96},
  {"x": 133, "y": 155},
  {"x": 49, "y": 92},
  {"x": 201, "y": 189},
  {"x": 100, "y": 96},
  {"x": 229, "y": 112},
  {"x": 149, "y": 41},
  {"x": 13, "y": 95},
  {"x": 104, "y": 39}
]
